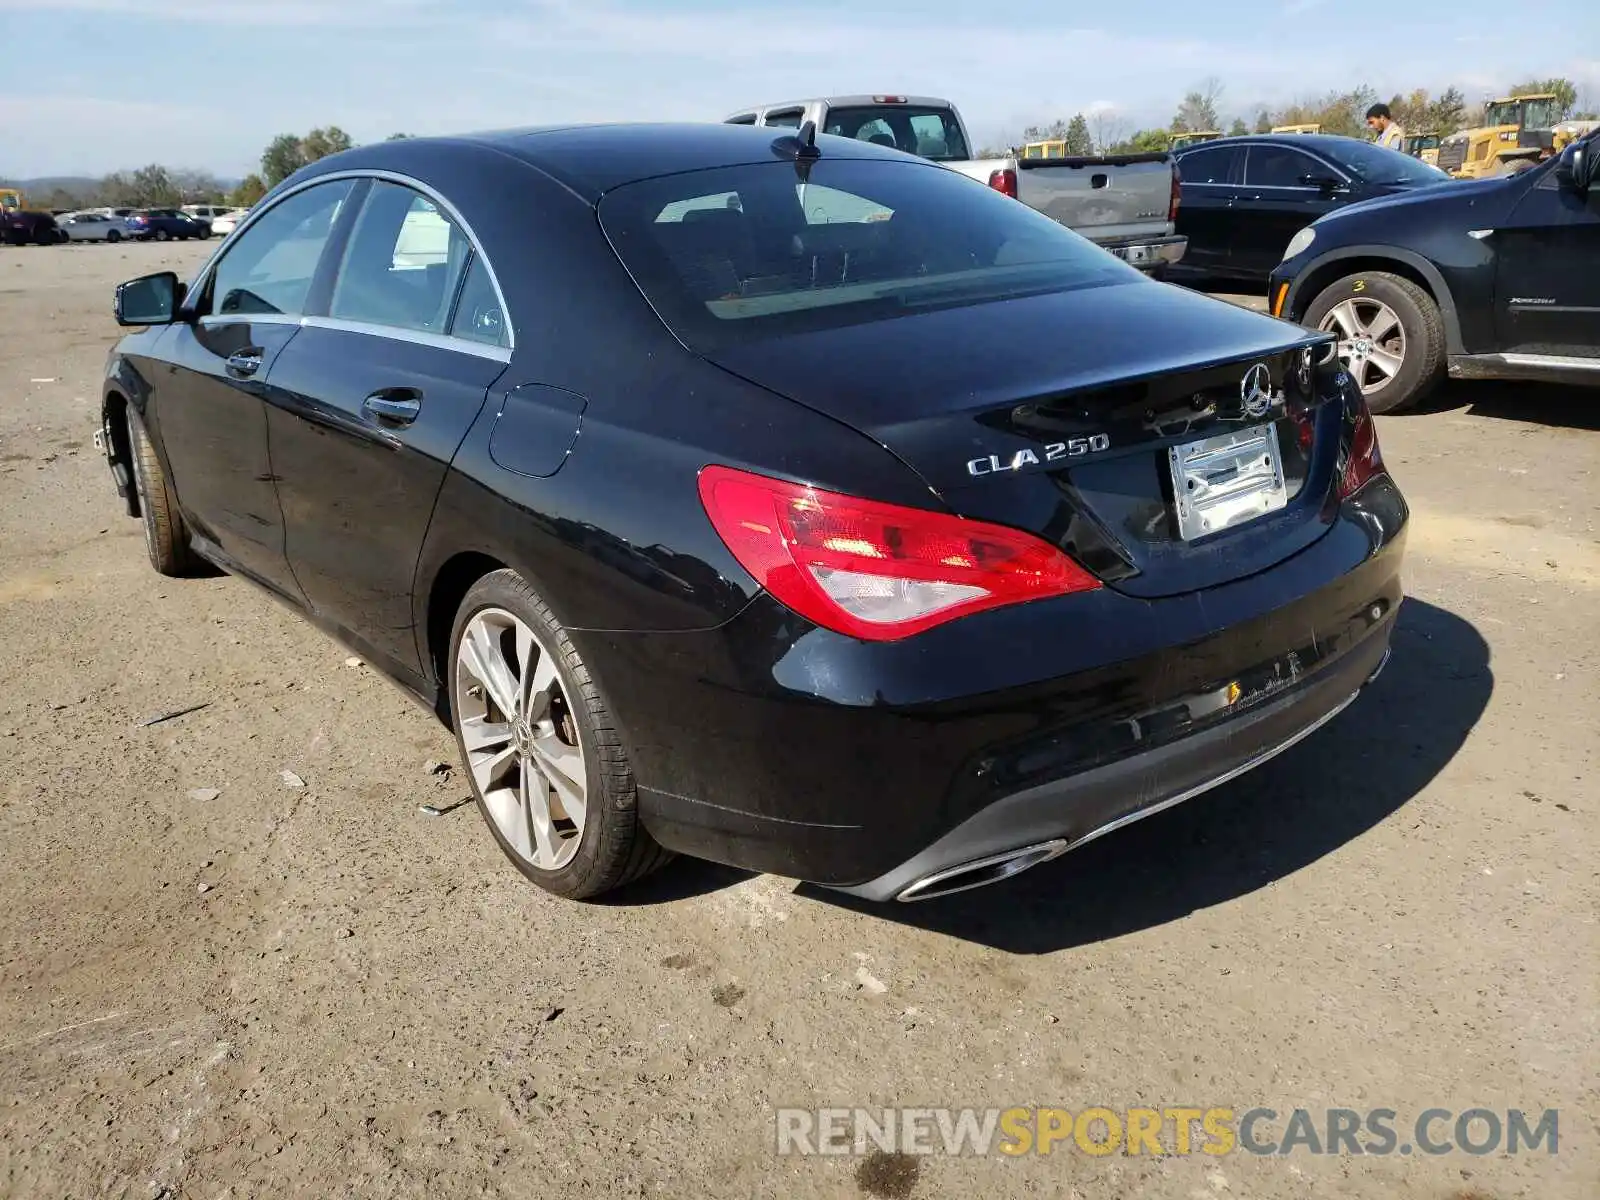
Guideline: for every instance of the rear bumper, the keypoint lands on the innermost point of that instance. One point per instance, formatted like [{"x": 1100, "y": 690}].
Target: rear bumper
[
  {"x": 771, "y": 745},
  {"x": 1148, "y": 253},
  {"x": 1074, "y": 811}
]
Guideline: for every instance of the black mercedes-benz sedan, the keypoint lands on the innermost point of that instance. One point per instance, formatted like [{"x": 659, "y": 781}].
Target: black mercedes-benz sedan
[
  {"x": 781, "y": 500},
  {"x": 1245, "y": 198}
]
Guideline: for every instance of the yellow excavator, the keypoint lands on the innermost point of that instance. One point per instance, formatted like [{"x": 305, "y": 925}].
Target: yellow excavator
[
  {"x": 1313, "y": 128},
  {"x": 1515, "y": 130},
  {"x": 1424, "y": 146},
  {"x": 1180, "y": 140},
  {"x": 11, "y": 200}
]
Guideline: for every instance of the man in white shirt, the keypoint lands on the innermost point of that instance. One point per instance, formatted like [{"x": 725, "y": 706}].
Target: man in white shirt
[{"x": 1389, "y": 133}]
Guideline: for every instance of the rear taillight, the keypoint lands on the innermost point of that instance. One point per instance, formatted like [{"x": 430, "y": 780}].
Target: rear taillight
[
  {"x": 1364, "y": 459},
  {"x": 1004, "y": 181},
  {"x": 1177, "y": 192},
  {"x": 876, "y": 571}
]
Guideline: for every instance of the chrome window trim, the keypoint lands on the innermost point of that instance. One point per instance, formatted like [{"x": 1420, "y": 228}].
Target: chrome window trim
[
  {"x": 417, "y": 337},
  {"x": 356, "y": 174},
  {"x": 211, "y": 319}
]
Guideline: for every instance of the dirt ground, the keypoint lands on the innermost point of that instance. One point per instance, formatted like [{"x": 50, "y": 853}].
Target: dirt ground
[{"x": 323, "y": 991}]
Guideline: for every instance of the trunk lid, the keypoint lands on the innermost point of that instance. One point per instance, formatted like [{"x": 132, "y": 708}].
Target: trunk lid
[{"x": 1060, "y": 414}]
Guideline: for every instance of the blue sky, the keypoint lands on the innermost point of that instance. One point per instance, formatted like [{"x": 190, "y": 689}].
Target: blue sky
[{"x": 96, "y": 85}]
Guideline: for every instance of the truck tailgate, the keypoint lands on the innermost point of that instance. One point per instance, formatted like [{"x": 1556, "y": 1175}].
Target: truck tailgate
[{"x": 1102, "y": 198}]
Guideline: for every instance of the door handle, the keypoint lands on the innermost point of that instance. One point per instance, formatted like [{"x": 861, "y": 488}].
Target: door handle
[
  {"x": 393, "y": 406},
  {"x": 242, "y": 364}
]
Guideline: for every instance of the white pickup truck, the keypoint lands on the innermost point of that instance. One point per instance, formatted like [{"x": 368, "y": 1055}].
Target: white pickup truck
[{"x": 1126, "y": 203}]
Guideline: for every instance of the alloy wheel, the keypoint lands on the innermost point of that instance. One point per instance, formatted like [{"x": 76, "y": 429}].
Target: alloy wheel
[
  {"x": 521, "y": 738},
  {"x": 1372, "y": 341}
]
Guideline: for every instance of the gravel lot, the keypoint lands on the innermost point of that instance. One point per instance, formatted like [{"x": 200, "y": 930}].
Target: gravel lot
[{"x": 321, "y": 991}]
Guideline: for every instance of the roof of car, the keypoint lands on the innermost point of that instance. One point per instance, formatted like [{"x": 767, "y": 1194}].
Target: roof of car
[
  {"x": 593, "y": 159},
  {"x": 1306, "y": 141},
  {"x": 862, "y": 101}
]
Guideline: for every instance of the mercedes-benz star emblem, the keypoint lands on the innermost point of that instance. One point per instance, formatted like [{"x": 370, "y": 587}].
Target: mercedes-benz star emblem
[{"x": 1255, "y": 390}]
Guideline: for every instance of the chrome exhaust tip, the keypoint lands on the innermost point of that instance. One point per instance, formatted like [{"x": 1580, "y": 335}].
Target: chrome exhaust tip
[{"x": 981, "y": 872}]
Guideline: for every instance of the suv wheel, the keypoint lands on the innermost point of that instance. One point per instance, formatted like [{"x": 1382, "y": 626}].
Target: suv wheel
[
  {"x": 542, "y": 753},
  {"x": 1391, "y": 336}
]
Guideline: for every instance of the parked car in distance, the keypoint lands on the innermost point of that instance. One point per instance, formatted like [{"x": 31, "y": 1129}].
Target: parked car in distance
[
  {"x": 208, "y": 212},
  {"x": 1245, "y": 197},
  {"x": 1484, "y": 279},
  {"x": 225, "y": 224},
  {"x": 20, "y": 226},
  {"x": 92, "y": 227},
  {"x": 160, "y": 224},
  {"x": 860, "y": 570},
  {"x": 1126, "y": 204}
]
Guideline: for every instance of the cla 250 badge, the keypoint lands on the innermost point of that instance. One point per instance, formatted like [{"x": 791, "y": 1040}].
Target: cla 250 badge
[{"x": 1053, "y": 452}]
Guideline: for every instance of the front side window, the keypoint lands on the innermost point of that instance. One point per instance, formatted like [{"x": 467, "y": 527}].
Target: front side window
[
  {"x": 740, "y": 253},
  {"x": 402, "y": 264},
  {"x": 1278, "y": 166},
  {"x": 270, "y": 268}
]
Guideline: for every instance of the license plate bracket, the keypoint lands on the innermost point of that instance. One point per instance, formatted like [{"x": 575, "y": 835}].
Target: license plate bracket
[{"x": 1226, "y": 479}]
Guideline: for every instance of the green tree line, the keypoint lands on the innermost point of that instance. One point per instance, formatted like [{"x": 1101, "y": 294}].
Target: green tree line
[{"x": 156, "y": 186}]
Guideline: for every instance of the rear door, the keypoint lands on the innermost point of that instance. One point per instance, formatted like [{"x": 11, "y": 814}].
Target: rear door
[
  {"x": 1547, "y": 288},
  {"x": 369, "y": 403},
  {"x": 208, "y": 407},
  {"x": 1276, "y": 202},
  {"x": 1206, "y": 213}
]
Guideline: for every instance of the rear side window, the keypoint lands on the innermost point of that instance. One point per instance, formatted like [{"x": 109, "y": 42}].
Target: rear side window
[
  {"x": 403, "y": 264},
  {"x": 1214, "y": 165},
  {"x": 741, "y": 253},
  {"x": 1278, "y": 166},
  {"x": 270, "y": 268},
  {"x": 789, "y": 118},
  {"x": 479, "y": 316},
  {"x": 928, "y": 132}
]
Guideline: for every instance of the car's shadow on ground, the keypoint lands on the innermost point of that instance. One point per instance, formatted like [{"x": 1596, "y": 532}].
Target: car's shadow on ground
[
  {"x": 1310, "y": 801},
  {"x": 1539, "y": 403}
]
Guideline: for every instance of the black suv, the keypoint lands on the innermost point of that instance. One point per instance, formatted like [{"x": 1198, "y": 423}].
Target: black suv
[{"x": 1489, "y": 279}]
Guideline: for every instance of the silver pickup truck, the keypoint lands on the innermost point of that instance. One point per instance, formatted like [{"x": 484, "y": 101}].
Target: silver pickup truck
[{"x": 1127, "y": 203}]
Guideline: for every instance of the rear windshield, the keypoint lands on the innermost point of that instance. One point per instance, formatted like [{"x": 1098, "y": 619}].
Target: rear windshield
[
  {"x": 737, "y": 254},
  {"x": 927, "y": 132}
]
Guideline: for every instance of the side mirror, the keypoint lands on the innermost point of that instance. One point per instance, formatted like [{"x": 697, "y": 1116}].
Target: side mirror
[
  {"x": 149, "y": 300},
  {"x": 1576, "y": 166}
]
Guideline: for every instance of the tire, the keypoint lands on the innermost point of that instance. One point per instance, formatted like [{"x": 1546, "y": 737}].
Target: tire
[
  {"x": 612, "y": 847},
  {"x": 113, "y": 236},
  {"x": 1420, "y": 342},
  {"x": 161, "y": 235},
  {"x": 166, "y": 538}
]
